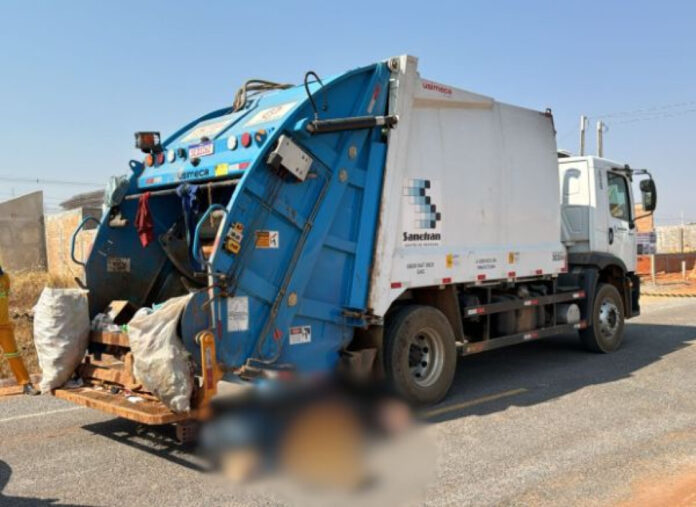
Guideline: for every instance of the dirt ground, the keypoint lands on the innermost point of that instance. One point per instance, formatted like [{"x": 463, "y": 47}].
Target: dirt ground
[
  {"x": 25, "y": 289},
  {"x": 675, "y": 490},
  {"x": 669, "y": 284}
]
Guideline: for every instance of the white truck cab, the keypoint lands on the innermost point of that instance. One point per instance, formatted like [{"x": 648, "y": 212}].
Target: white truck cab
[{"x": 597, "y": 207}]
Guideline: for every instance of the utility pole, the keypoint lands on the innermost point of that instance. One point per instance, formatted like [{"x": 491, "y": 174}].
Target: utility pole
[
  {"x": 583, "y": 128},
  {"x": 601, "y": 128}
]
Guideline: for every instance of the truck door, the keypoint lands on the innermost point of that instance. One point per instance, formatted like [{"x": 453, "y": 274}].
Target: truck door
[{"x": 621, "y": 231}]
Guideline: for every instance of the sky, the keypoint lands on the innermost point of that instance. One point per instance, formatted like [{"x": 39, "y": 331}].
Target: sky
[{"x": 78, "y": 78}]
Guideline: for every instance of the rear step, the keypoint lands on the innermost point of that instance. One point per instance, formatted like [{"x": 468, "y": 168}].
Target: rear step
[
  {"x": 109, "y": 384},
  {"x": 145, "y": 411},
  {"x": 111, "y": 387}
]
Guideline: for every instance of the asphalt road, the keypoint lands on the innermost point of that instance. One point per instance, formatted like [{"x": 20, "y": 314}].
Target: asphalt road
[{"x": 538, "y": 424}]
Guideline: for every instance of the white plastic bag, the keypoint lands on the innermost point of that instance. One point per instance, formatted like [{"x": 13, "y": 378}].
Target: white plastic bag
[
  {"x": 61, "y": 334},
  {"x": 160, "y": 361}
]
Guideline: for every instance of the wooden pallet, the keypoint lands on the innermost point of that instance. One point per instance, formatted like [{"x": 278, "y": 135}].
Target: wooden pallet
[
  {"x": 146, "y": 411},
  {"x": 107, "y": 338},
  {"x": 9, "y": 387},
  {"x": 116, "y": 370}
]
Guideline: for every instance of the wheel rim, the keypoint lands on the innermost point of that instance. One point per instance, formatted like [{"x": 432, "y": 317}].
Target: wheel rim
[
  {"x": 425, "y": 357},
  {"x": 609, "y": 318}
]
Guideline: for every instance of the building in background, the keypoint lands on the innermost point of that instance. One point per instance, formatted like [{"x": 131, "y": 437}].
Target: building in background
[
  {"x": 22, "y": 243},
  {"x": 87, "y": 200},
  {"x": 676, "y": 238},
  {"x": 32, "y": 240},
  {"x": 645, "y": 222},
  {"x": 60, "y": 228},
  {"x": 664, "y": 248}
]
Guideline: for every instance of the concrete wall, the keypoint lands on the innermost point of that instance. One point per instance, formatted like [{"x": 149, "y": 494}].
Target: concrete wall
[
  {"x": 666, "y": 263},
  {"x": 676, "y": 238},
  {"x": 59, "y": 230},
  {"x": 22, "y": 244}
]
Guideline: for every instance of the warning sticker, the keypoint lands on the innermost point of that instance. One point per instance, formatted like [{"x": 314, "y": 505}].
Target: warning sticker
[
  {"x": 300, "y": 334},
  {"x": 270, "y": 114},
  {"x": 236, "y": 232},
  {"x": 221, "y": 169},
  {"x": 452, "y": 260},
  {"x": 118, "y": 264},
  {"x": 267, "y": 239},
  {"x": 238, "y": 313}
]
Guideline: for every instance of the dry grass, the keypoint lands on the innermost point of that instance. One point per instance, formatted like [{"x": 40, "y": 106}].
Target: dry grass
[{"x": 25, "y": 289}]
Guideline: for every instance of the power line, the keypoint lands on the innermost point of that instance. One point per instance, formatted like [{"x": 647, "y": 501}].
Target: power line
[
  {"x": 657, "y": 116},
  {"x": 4, "y": 196},
  {"x": 644, "y": 111},
  {"x": 648, "y": 111},
  {"x": 19, "y": 194},
  {"x": 49, "y": 182}
]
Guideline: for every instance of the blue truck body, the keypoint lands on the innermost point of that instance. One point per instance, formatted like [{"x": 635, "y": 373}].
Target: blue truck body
[{"x": 288, "y": 271}]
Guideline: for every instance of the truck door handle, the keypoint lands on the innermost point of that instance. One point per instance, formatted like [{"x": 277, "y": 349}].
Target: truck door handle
[{"x": 611, "y": 235}]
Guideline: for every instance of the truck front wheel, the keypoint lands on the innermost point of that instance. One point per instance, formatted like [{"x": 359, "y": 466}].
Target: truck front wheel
[
  {"x": 606, "y": 323},
  {"x": 420, "y": 353}
]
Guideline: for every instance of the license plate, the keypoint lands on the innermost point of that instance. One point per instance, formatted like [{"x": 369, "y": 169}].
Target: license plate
[{"x": 201, "y": 150}]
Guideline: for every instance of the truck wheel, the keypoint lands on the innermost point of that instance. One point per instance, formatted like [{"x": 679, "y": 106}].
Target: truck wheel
[
  {"x": 605, "y": 330},
  {"x": 420, "y": 353}
]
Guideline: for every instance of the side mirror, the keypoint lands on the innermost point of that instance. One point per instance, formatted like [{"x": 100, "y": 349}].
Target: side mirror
[{"x": 647, "y": 188}]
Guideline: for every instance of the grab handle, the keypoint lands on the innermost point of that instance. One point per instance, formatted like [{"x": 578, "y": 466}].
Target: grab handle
[
  {"x": 196, "y": 235},
  {"x": 74, "y": 237}
]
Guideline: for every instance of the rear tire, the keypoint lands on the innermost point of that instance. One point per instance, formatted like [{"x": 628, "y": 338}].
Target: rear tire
[
  {"x": 606, "y": 323},
  {"x": 420, "y": 353}
]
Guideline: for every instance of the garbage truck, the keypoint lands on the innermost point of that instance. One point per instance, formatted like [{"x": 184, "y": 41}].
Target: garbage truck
[{"x": 374, "y": 222}]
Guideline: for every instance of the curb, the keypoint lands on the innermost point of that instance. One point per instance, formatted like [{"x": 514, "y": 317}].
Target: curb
[{"x": 667, "y": 295}]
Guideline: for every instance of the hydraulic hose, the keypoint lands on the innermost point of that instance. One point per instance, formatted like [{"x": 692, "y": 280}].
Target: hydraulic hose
[{"x": 254, "y": 86}]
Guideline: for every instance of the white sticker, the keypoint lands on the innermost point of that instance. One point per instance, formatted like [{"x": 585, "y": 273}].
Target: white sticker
[
  {"x": 209, "y": 130},
  {"x": 300, "y": 334},
  {"x": 118, "y": 264},
  {"x": 238, "y": 313},
  {"x": 267, "y": 239},
  {"x": 270, "y": 114}
]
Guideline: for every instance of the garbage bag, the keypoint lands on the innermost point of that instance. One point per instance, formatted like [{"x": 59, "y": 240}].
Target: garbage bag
[
  {"x": 61, "y": 334},
  {"x": 116, "y": 189},
  {"x": 160, "y": 361},
  {"x": 105, "y": 324}
]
